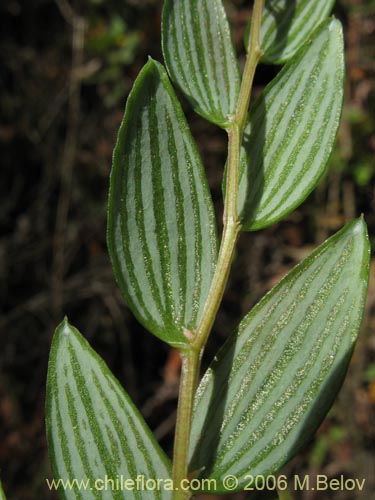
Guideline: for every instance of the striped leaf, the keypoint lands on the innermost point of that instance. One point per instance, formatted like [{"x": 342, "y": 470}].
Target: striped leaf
[
  {"x": 287, "y": 24},
  {"x": 292, "y": 130},
  {"x": 276, "y": 377},
  {"x": 161, "y": 225},
  {"x": 200, "y": 58},
  {"x": 94, "y": 431}
]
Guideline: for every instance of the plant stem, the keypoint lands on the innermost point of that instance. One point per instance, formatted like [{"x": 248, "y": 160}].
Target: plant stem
[
  {"x": 253, "y": 57},
  {"x": 192, "y": 355},
  {"x": 189, "y": 374},
  {"x": 231, "y": 220},
  {"x": 231, "y": 230}
]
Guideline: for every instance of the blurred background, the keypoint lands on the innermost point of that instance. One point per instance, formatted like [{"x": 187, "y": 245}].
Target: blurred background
[{"x": 66, "y": 70}]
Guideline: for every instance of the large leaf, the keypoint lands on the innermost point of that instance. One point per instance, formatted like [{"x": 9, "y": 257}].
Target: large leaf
[
  {"x": 287, "y": 24},
  {"x": 276, "y": 377},
  {"x": 200, "y": 57},
  {"x": 292, "y": 130},
  {"x": 161, "y": 225},
  {"x": 94, "y": 431}
]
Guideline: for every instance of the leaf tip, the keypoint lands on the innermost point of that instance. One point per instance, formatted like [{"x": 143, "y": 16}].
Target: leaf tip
[
  {"x": 153, "y": 68},
  {"x": 152, "y": 63},
  {"x": 334, "y": 25},
  {"x": 64, "y": 327},
  {"x": 359, "y": 225},
  {"x": 358, "y": 229}
]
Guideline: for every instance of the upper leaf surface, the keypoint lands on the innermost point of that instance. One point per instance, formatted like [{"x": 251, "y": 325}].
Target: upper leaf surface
[
  {"x": 161, "y": 225},
  {"x": 277, "y": 375},
  {"x": 291, "y": 131},
  {"x": 94, "y": 431},
  {"x": 200, "y": 57},
  {"x": 287, "y": 24}
]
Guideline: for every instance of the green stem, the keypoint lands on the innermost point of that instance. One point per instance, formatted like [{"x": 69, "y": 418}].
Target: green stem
[
  {"x": 231, "y": 220},
  {"x": 254, "y": 55},
  {"x": 191, "y": 356},
  {"x": 231, "y": 230},
  {"x": 189, "y": 374}
]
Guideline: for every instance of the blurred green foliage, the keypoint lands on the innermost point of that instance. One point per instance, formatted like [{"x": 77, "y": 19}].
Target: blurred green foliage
[
  {"x": 115, "y": 46},
  {"x": 355, "y": 158},
  {"x": 369, "y": 374},
  {"x": 324, "y": 442}
]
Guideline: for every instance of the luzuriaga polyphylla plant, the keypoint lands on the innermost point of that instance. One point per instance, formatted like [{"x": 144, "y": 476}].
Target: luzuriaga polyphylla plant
[{"x": 275, "y": 378}]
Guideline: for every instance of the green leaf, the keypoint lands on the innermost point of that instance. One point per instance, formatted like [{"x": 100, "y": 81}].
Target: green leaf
[
  {"x": 94, "y": 431},
  {"x": 161, "y": 224},
  {"x": 200, "y": 58},
  {"x": 2, "y": 494},
  {"x": 275, "y": 378},
  {"x": 286, "y": 25},
  {"x": 292, "y": 129}
]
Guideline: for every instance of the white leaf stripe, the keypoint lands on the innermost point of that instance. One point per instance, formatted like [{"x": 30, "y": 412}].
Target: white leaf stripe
[
  {"x": 293, "y": 116},
  {"x": 266, "y": 356},
  {"x": 301, "y": 15},
  {"x": 96, "y": 437},
  {"x": 93, "y": 429},
  {"x": 260, "y": 437},
  {"x": 280, "y": 372},
  {"x": 287, "y": 25},
  {"x": 200, "y": 57},
  {"x": 60, "y": 453},
  {"x": 178, "y": 225},
  {"x": 181, "y": 18},
  {"x": 283, "y": 321},
  {"x": 161, "y": 271},
  {"x": 163, "y": 244},
  {"x": 291, "y": 131},
  {"x": 144, "y": 229},
  {"x": 291, "y": 350},
  {"x": 310, "y": 128},
  {"x": 99, "y": 423}
]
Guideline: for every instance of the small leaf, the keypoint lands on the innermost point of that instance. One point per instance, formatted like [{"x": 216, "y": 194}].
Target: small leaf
[
  {"x": 161, "y": 224},
  {"x": 94, "y": 431},
  {"x": 200, "y": 58},
  {"x": 292, "y": 130},
  {"x": 275, "y": 378},
  {"x": 287, "y": 24}
]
